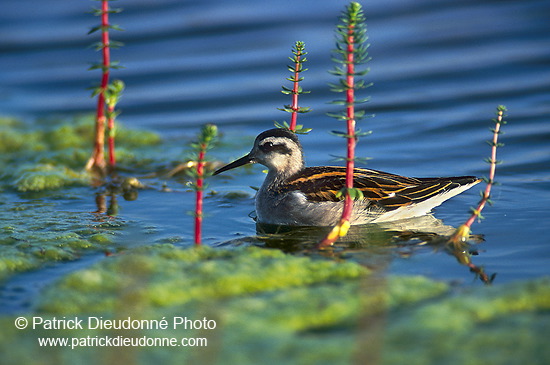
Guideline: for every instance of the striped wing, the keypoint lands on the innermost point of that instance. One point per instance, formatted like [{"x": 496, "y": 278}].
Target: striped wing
[{"x": 387, "y": 190}]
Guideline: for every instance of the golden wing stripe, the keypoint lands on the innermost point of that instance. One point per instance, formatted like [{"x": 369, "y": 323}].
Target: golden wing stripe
[
  {"x": 389, "y": 191},
  {"x": 318, "y": 176},
  {"x": 396, "y": 205},
  {"x": 428, "y": 191}
]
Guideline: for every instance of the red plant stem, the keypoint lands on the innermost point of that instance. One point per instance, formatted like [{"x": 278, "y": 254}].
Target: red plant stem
[
  {"x": 98, "y": 156},
  {"x": 341, "y": 228},
  {"x": 350, "y": 113},
  {"x": 106, "y": 61},
  {"x": 105, "y": 41},
  {"x": 199, "y": 195},
  {"x": 487, "y": 192},
  {"x": 295, "y": 92}
]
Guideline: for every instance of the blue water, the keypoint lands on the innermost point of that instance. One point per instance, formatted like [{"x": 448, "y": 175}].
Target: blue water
[{"x": 439, "y": 69}]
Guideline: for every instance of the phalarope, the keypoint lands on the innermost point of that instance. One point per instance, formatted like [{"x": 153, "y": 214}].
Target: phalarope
[{"x": 293, "y": 194}]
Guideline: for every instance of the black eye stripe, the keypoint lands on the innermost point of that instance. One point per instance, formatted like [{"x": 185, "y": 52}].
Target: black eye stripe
[{"x": 271, "y": 147}]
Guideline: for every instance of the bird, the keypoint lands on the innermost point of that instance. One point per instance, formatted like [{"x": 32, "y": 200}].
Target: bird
[{"x": 295, "y": 195}]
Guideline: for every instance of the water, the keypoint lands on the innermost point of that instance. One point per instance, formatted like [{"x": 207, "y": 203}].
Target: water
[{"x": 439, "y": 69}]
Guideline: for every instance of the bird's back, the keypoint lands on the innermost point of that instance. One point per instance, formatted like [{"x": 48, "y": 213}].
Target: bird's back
[{"x": 386, "y": 196}]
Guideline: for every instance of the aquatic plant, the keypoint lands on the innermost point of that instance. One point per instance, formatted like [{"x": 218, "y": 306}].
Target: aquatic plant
[
  {"x": 462, "y": 234},
  {"x": 268, "y": 304},
  {"x": 112, "y": 96},
  {"x": 34, "y": 234},
  {"x": 51, "y": 157},
  {"x": 351, "y": 50},
  {"x": 97, "y": 160},
  {"x": 206, "y": 140},
  {"x": 41, "y": 177},
  {"x": 299, "y": 57}
]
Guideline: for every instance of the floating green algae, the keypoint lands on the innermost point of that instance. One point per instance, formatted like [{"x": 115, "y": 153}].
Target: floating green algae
[
  {"x": 33, "y": 234},
  {"x": 51, "y": 154},
  {"x": 507, "y": 324},
  {"x": 42, "y": 163},
  {"x": 41, "y": 177},
  {"x": 176, "y": 276},
  {"x": 274, "y": 308}
]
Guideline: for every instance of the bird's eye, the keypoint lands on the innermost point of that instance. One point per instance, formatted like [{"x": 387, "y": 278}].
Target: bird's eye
[
  {"x": 266, "y": 147},
  {"x": 270, "y": 147}
]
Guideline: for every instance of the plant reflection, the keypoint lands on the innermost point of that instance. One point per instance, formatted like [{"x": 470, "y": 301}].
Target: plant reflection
[{"x": 127, "y": 187}]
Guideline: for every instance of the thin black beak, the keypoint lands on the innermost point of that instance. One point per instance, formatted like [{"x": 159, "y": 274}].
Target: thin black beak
[{"x": 241, "y": 161}]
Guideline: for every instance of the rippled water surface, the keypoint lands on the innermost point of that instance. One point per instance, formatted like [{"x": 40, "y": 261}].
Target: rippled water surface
[{"x": 439, "y": 69}]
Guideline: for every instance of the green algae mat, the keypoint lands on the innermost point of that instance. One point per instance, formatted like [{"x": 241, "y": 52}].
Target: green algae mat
[
  {"x": 161, "y": 302},
  {"x": 253, "y": 305}
]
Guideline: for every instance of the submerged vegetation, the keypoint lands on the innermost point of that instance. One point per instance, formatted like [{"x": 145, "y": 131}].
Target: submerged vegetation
[
  {"x": 46, "y": 160},
  {"x": 52, "y": 155},
  {"x": 276, "y": 306},
  {"x": 33, "y": 235}
]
